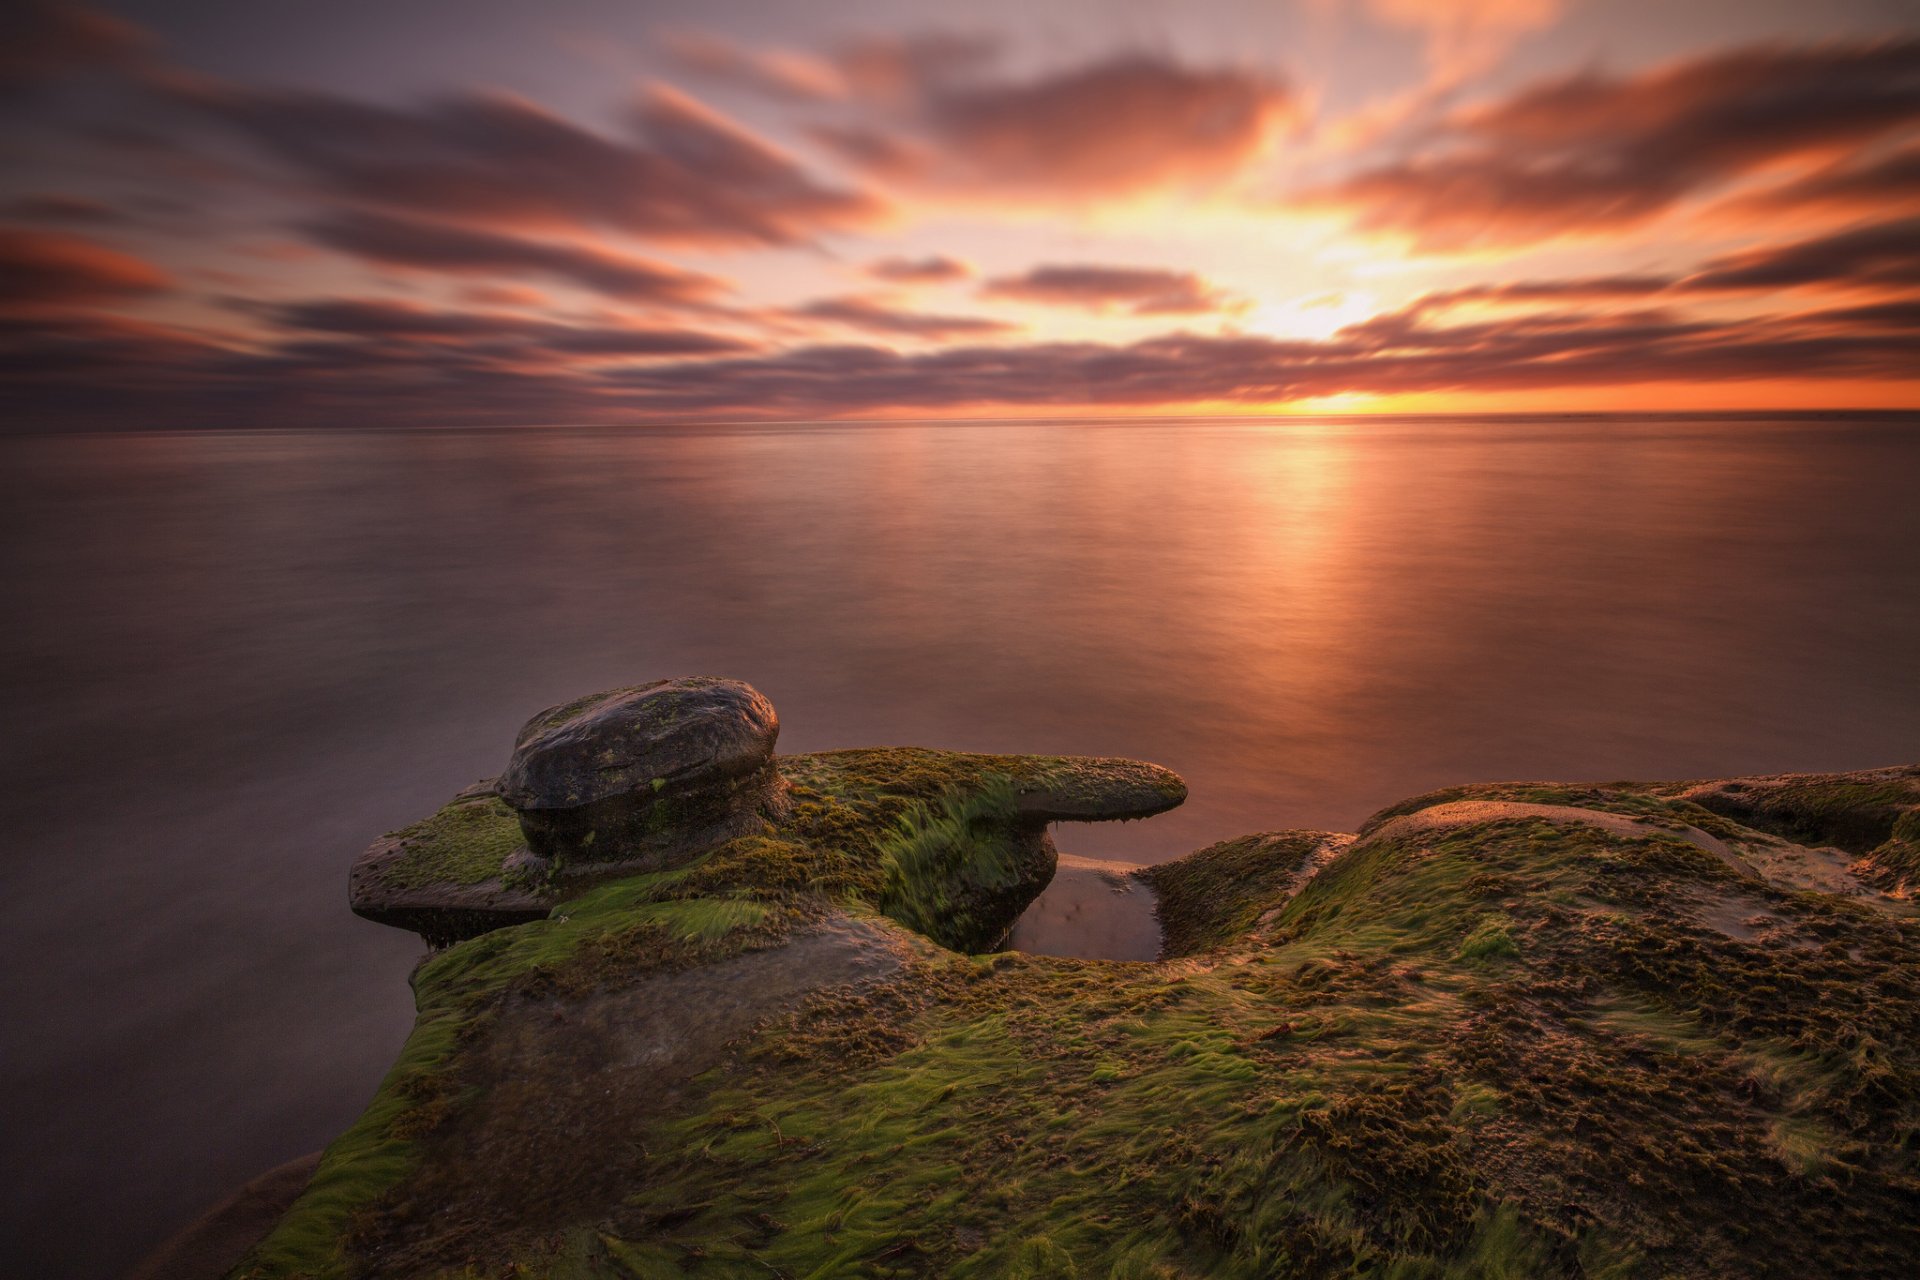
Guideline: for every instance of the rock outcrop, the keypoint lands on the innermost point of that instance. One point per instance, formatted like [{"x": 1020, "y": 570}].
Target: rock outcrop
[{"x": 1522, "y": 1029}]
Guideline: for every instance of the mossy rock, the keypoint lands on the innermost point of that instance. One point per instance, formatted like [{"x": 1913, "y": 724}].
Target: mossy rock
[
  {"x": 466, "y": 869},
  {"x": 1529, "y": 1030}
]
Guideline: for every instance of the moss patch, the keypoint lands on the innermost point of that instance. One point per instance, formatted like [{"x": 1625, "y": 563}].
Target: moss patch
[
  {"x": 463, "y": 844},
  {"x": 1513, "y": 1048},
  {"x": 951, "y": 869},
  {"x": 1212, "y": 897}
]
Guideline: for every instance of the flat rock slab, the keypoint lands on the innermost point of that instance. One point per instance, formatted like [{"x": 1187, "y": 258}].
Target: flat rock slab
[
  {"x": 1465, "y": 813},
  {"x": 441, "y": 912},
  {"x": 1100, "y": 789}
]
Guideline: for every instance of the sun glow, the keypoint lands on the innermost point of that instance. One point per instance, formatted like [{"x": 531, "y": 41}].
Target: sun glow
[{"x": 1318, "y": 317}]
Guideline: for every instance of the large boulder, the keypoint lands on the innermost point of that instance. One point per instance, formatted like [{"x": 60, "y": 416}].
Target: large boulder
[{"x": 646, "y": 776}]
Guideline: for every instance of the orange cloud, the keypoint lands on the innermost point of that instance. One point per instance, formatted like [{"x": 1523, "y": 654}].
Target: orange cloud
[
  {"x": 41, "y": 269},
  {"x": 463, "y": 251},
  {"x": 1143, "y": 291},
  {"x": 779, "y": 73},
  {"x": 40, "y": 41},
  {"x": 933, "y": 269},
  {"x": 1114, "y": 128},
  {"x": 380, "y": 363},
  {"x": 1592, "y": 153},
  {"x": 872, "y": 316},
  {"x": 692, "y": 176},
  {"x": 1880, "y": 257},
  {"x": 1465, "y": 36},
  {"x": 491, "y": 335},
  {"x": 1882, "y": 184}
]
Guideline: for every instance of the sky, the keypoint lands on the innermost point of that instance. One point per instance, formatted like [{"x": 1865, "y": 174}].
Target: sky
[{"x": 404, "y": 213}]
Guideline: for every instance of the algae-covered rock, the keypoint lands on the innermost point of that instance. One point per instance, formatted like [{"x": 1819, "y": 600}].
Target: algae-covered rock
[
  {"x": 1873, "y": 815},
  {"x": 453, "y": 875},
  {"x": 1520, "y": 1029},
  {"x": 647, "y": 775}
]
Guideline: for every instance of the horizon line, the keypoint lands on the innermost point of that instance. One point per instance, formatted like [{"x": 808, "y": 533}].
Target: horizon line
[{"x": 1588, "y": 415}]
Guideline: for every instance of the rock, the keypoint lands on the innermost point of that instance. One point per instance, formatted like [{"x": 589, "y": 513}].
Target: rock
[
  {"x": 1100, "y": 789},
  {"x": 1493, "y": 989},
  {"x": 444, "y": 910},
  {"x": 645, "y": 777}
]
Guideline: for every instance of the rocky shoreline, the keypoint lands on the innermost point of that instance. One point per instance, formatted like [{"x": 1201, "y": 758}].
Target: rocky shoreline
[{"x": 695, "y": 1008}]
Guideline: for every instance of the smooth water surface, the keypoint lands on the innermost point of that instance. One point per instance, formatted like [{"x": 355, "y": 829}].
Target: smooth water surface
[{"x": 233, "y": 659}]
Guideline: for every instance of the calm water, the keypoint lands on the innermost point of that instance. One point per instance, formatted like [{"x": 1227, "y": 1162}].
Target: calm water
[{"x": 233, "y": 659}]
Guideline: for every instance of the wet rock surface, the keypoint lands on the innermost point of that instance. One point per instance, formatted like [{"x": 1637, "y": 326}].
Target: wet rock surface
[
  {"x": 1538, "y": 1028},
  {"x": 1093, "y": 909},
  {"x": 1104, "y": 790},
  {"x": 647, "y": 775}
]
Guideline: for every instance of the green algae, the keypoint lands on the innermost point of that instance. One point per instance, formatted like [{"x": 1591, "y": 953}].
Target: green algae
[
  {"x": 1490, "y": 939},
  {"x": 947, "y": 867},
  {"x": 842, "y": 804},
  {"x": 1212, "y": 897},
  {"x": 1511, "y": 1048},
  {"x": 465, "y": 843},
  {"x": 615, "y": 933}
]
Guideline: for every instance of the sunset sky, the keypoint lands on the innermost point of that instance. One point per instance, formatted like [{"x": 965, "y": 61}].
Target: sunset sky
[{"x": 403, "y": 212}]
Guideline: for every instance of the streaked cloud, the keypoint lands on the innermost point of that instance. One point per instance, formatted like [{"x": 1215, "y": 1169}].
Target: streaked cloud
[
  {"x": 1878, "y": 256},
  {"x": 935, "y": 268},
  {"x": 1142, "y": 291},
  {"x": 689, "y": 176},
  {"x": 83, "y": 367},
  {"x": 54, "y": 207},
  {"x": 875, "y": 316},
  {"x": 1465, "y": 36},
  {"x": 779, "y": 73},
  {"x": 183, "y": 245},
  {"x": 446, "y": 248},
  {"x": 1121, "y": 126},
  {"x": 41, "y": 269},
  {"x": 1591, "y": 153},
  {"x": 1880, "y": 184},
  {"x": 40, "y": 41},
  {"x": 384, "y": 320}
]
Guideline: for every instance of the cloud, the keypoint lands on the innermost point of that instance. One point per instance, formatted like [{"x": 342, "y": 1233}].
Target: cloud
[
  {"x": 1465, "y": 36},
  {"x": 394, "y": 368},
  {"x": 55, "y": 207},
  {"x": 1114, "y": 128},
  {"x": 41, "y": 41},
  {"x": 933, "y": 269},
  {"x": 902, "y": 68},
  {"x": 1579, "y": 289},
  {"x": 876, "y": 317},
  {"x": 778, "y": 73},
  {"x": 690, "y": 177},
  {"x": 1877, "y": 256},
  {"x": 40, "y": 269},
  {"x": 885, "y": 68},
  {"x": 384, "y": 320},
  {"x": 1591, "y": 153},
  {"x": 1185, "y": 368},
  {"x": 1888, "y": 182},
  {"x": 452, "y": 250},
  {"x": 1143, "y": 291}
]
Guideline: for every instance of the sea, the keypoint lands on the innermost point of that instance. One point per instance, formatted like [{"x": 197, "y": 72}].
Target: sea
[{"x": 234, "y": 658}]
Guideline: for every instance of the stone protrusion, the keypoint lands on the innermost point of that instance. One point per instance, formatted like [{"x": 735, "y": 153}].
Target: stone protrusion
[{"x": 647, "y": 776}]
